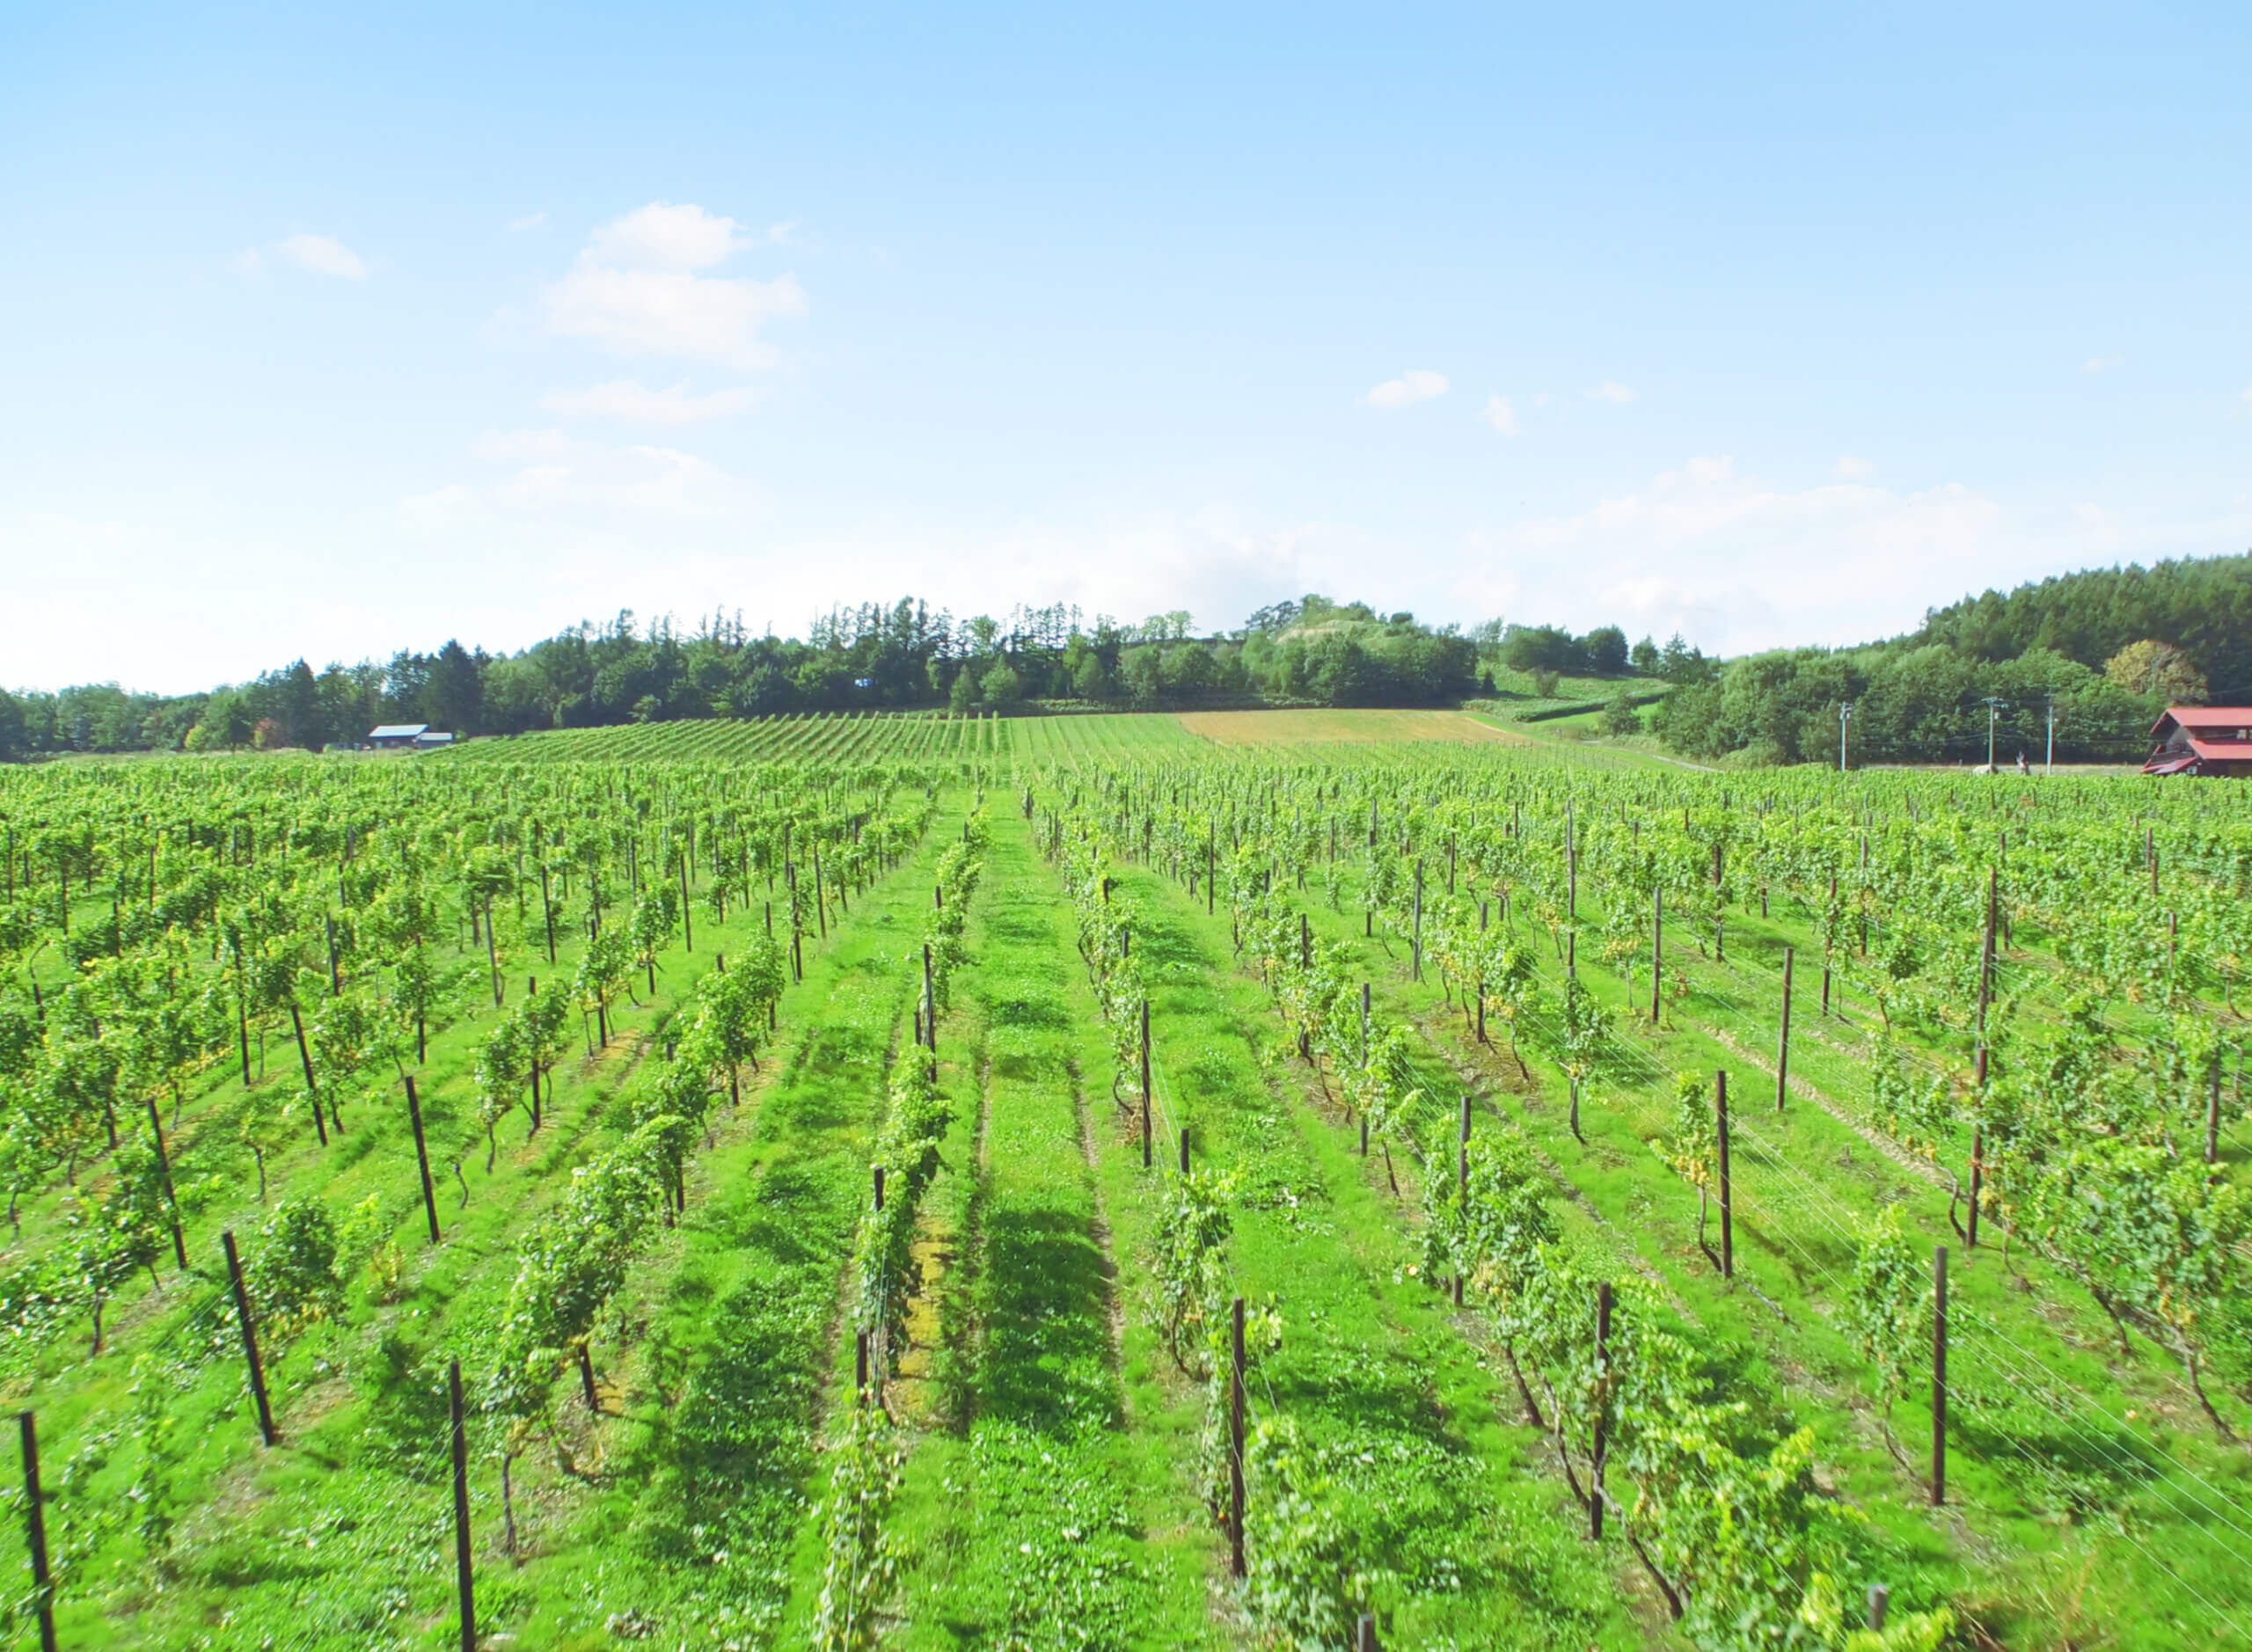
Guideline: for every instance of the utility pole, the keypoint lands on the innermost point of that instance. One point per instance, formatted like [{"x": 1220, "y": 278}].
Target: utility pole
[
  {"x": 1994, "y": 707},
  {"x": 1845, "y": 716}
]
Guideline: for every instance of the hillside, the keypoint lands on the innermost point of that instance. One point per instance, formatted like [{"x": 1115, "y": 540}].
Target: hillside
[{"x": 2039, "y": 651}]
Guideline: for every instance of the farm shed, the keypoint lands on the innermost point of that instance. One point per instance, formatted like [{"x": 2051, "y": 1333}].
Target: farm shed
[
  {"x": 2202, "y": 740},
  {"x": 397, "y": 736}
]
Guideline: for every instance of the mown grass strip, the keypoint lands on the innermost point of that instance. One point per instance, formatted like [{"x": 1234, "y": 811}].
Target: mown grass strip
[
  {"x": 1425, "y": 1497},
  {"x": 1033, "y": 1516}
]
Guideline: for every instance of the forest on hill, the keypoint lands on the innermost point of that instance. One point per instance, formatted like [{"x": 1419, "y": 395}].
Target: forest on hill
[
  {"x": 2093, "y": 655},
  {"x": 1308, "y": 652},
  {"x": 2102, "y": 651}
]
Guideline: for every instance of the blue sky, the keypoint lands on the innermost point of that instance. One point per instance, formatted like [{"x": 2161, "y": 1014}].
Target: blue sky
[{"x": 327, "y": 336}]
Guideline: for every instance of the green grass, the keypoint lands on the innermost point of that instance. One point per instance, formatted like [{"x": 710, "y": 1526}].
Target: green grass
[
  {"x": 682, "y": 1507},
  {"x": 1047, "y": 1504},
  {"x": 1469, "y": 1540},
  {"x": 2061, "y": 1515}
]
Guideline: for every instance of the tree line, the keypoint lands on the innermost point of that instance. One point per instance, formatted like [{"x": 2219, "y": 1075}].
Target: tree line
[
  {"x": 2103, "y": 652},
  {"x": 1308, "y": 651}
]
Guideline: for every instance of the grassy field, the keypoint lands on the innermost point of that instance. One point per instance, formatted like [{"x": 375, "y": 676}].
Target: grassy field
[{"x": 1054, "y": 1447}]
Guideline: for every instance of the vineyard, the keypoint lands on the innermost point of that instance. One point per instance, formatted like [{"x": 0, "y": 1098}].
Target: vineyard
[{"x": 1105, "y": 1181}]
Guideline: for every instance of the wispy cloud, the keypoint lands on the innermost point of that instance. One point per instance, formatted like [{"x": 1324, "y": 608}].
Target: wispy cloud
[
  {"x": 2102, "y": 363},
  {"x": 1498, "y": 413},
  {"x": 1850, "y": 469},
  {"x": 636, "y": 291},
  {"x": 1421, "y": 385},
  {"x": 530, "y": 221},
  {"x": 1610, "y": 391},
  {"x": 556, "y": 474},
  {"x": 626, "y": 398},
  {"x": 319, "y": 254}
]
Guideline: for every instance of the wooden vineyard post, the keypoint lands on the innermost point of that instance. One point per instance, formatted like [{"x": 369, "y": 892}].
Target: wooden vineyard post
[
  {"x": 1462, "y": 1186},
  {"x": 1939, "y": 1376},
  {"x": 335, "y": 976},
  {"x": 171, "y": 1200},
  {"x": 860, "y": 1367},
  {"x": 1602, "y": 1408},
  {"x": 1985, "y": 993},
  {"x": 464, "y": 1570},
  {"x": 1364, "y": 1638},
  {"x": 1418, "y": 943},
  {"x": 249, "y": 1328},
  {"x": 1571, "y": 867},
  {"x": 930, "y": 1004},
  {"x": 422, "y": 1159},
  {"x": 547, "y": 911},
  {"x": 35, "y": 1533},
  {"x": 1364, "y": 1024},
  {"x": 491, "y": 951},
  {"x": 687, "y": 918},
  {"x": 1658, "y": 950},
  {"x": 1235, "y": 1441},
  {"x": 2212, "y": 1118},
  {"x": 1977, "y": 1183},
  {"x": 1210, "y": 895},
  {"x": 1146, "y": 1084},
  {"x": 1783, "y": 1044},
  {"x": 1184, "y": 1150},
  {"x": 820, "y": 904},
  {"x": 1481, "y": 980},
  {"x": 1879, "y": 1596},
  {"x": 306, "y": 1055},
  {"x": 1728, "y": 1204}
]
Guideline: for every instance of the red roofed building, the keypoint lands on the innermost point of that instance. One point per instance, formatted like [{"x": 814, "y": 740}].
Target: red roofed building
[{"x": 2202, "y": 740}]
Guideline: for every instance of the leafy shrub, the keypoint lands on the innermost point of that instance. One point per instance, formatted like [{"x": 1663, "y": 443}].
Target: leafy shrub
[{"x": 293, "y": 1278}]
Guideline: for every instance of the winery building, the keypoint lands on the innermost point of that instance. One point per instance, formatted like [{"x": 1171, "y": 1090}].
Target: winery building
[
  {"x": 2202, "y": 740},
  {"x": 406, "y": 737}
]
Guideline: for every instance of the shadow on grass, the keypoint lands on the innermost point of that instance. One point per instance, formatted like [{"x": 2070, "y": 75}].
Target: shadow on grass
[{"x": 1048, "y": 1345}]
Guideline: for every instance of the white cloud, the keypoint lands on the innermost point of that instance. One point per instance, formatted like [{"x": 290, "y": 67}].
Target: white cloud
[
  {"x": 530, "y": 221},
  {"x": 323, "y": 255},
  {"x": 2099, "y": 363},
  {"x": 1613, "y": 392},
  {"x": 521, "y": 444},
  {"x": 661, "y": 235},
  {"x": 1850, "y": 469},
  {"x": 625, "y": 398},
  {"x": 1737, "y": 563},
  {"x": 1498, "y": 413},
  {"x": 635, "y": 290},
  {"x": 2248, "y": 392},
  {"x": 572, "y": 481},
  {"x": 320, "y": 254},
  {"x": 1406, "y": 390}
]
